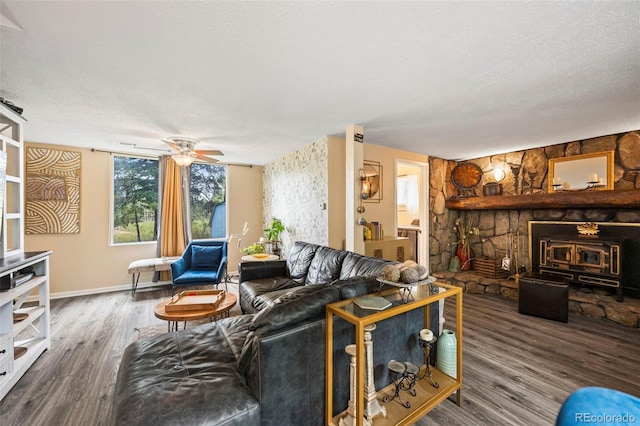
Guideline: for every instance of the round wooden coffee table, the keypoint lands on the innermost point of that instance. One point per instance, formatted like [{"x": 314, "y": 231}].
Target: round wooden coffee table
[{"x": 228, "y": 302}]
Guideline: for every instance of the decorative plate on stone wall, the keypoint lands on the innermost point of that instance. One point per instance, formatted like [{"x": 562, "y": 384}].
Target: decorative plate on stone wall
[{"x": 466, "y": 176}]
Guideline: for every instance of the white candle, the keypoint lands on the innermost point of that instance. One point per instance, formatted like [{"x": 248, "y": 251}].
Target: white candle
[
  {"x": 599, "y": 180},
  {"x": 426, "y": 335},
  {"x": 593, "y": 177},
  {"x": 557, "y": 180}
]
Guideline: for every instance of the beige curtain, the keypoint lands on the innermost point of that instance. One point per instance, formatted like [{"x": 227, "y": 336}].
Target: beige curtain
[{"x": 174, "y": 207}]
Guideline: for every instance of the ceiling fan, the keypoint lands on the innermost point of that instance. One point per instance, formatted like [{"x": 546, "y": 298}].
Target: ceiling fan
[{"x": 186, "y": 152}]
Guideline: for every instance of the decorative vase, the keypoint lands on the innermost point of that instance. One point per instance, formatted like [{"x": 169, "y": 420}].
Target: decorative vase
[
  {"x": 454, "y": 264},
  {"x": 275, "y": 247},
  {"x": 464, "y": 254},
  {"x": 446, "y": 355}
]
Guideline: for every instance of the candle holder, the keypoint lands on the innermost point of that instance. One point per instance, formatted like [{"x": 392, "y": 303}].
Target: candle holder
[
  {"x": 557, "y": 187},
  {"x": 515, "y": 170},
  {"x": 404, "y": 376},
  {"x": 594, "y": 184},
  {"x": 532, "y": 177},
  {"x": 427, "y": 346}
]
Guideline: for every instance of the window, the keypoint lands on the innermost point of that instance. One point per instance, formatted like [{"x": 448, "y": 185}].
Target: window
[
  {"x": 135, "y": 199},
  {"x": 208, "y": 201},
  {"x": 408, "y": 193}
]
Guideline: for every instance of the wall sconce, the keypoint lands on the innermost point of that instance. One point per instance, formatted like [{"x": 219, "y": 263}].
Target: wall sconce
[
  {"x": 364, "y": 185},
  {"x": 498, "y": 173},
  {"x": 371, "y": 181}
]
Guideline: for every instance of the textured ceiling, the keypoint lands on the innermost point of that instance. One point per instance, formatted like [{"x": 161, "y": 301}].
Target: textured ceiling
[{"x": 260, "y": 79}]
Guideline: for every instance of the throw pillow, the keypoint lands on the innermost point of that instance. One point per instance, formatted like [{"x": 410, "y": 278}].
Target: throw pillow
[{"x": 205, "y": 258}]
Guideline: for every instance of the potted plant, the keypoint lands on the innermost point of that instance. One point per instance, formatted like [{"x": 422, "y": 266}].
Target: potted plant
[{"x": 273, "y": 234}]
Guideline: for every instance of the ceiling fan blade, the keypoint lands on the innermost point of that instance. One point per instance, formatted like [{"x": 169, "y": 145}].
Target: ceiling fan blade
[
  {"x": 172, "y": 144},
  {"x": 208, "y": 152},
  {"x": 203, "y": 157}
]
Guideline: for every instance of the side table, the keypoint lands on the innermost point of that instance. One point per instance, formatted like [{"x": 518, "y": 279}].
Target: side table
[
  {"x": 428, "y": 395},
  {"x": 174, "y": 317}
]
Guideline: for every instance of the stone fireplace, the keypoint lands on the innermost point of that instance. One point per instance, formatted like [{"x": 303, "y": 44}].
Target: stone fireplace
[
  {"x": 496, "y": 222},
  {"x": 589, "y": 254}
]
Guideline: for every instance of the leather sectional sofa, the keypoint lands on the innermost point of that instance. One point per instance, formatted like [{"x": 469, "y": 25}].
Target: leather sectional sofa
[
  {"x": 265, "y": 367},
  {"x": 262, "y": 283}
]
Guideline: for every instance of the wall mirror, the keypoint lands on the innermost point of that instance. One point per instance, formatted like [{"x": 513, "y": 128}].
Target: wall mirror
[
  {"x": 371, "y": 180},
  {"x": 593, "y": 171}
]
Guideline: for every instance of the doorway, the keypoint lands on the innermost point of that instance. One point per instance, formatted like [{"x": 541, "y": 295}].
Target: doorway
[{"x": 412, "y": 195}]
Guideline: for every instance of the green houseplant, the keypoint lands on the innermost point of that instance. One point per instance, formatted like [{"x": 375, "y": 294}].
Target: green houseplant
[
  {"x": 274, "y": 230},
  {"x": 273, "y": 234}
]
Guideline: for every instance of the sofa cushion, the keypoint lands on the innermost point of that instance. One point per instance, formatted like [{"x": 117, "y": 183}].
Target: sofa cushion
[
  {"x": 193, "y": 276},
  {"x": 299, "y": 259},
  {"x": 250, "y": 290},
  {"x": 325, "y": 265},
  {"x": 205, "y": 258},
  {"x": 178, "y": 365},
  {"x": 292, "y": 308},
  {"x": 357, "y": 265},
  {"x": 356, "y": 286},
  {"x": 266, "y": 300}
]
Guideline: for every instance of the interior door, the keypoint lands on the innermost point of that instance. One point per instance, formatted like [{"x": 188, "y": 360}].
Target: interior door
[{"x": 412, "y": 207}]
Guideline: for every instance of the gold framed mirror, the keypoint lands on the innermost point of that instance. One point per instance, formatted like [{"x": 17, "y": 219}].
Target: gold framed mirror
[{"x": 578, "y": 172}]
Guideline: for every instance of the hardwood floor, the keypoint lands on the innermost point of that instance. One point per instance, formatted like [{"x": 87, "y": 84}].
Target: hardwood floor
[{"x": 517, "y": 369}]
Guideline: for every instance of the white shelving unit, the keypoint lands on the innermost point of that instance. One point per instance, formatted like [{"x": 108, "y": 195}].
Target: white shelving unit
[
  {"x": 23, "y": 327},
  {"x": 24, "y": 330},
  {"x": 11, "y": 143}
]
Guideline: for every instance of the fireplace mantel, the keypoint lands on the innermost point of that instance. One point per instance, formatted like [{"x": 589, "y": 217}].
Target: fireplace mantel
[{"x": 589, "y": 199}]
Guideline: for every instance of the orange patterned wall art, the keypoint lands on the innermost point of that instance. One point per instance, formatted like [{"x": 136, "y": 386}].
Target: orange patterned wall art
[{"x": 52, "y": 191}]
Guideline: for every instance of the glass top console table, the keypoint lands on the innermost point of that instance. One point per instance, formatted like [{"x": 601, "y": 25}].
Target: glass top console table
[{"x": 427, "y": 396}]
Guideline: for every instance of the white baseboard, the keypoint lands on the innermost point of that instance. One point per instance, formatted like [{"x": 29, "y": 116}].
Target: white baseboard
[{"x": 124, "y": 287}]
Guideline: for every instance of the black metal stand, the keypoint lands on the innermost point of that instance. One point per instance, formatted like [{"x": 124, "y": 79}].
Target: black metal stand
[
  {"x": 426, "y": 346},
  {"x": 404, "y": 376},
  {"x": 405, "y": 294}
]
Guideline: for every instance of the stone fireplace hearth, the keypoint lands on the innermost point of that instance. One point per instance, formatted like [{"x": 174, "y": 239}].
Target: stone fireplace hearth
[{"x": 598, "y": 303}]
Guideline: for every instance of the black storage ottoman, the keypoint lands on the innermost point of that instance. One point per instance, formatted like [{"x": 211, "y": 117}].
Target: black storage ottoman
[{"x": 544, "y": 296}]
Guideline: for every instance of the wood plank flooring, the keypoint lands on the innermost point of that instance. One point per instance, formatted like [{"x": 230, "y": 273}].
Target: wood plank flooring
[{"x": 517, "y": 369}]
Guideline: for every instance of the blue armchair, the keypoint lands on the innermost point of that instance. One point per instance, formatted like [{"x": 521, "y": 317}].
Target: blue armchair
[{"x": 204, "y": 262}]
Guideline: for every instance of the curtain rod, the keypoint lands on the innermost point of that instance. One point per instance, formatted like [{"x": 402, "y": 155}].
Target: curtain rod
[{"x": 151, "y": 156}]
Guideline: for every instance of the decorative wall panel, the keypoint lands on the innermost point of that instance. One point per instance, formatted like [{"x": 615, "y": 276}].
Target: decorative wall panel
[
  {"x": 294, "y": 188},
  {"x": 52, "y": 191}
]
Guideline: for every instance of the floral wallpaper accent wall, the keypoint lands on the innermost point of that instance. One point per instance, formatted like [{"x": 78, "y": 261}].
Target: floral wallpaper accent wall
[{"x": 294, "y": 189}]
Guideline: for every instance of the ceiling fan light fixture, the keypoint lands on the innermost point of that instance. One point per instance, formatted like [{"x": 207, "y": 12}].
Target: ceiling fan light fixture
[{"x": 183, "y": 160}]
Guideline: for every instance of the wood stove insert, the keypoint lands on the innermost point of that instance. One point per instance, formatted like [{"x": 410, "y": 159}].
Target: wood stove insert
[{"x": 608, "y": 257}]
